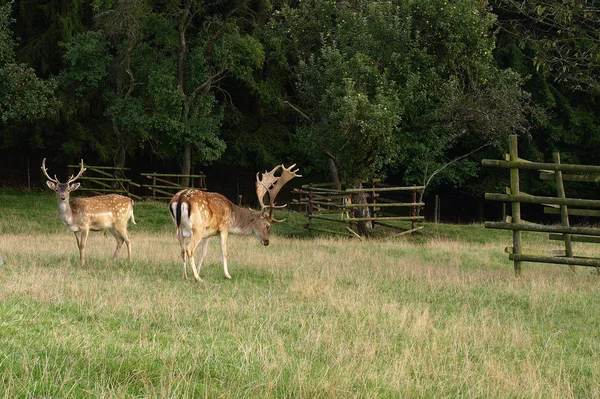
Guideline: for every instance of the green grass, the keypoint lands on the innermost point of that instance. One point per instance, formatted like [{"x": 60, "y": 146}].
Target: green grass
[{"x": 436, "y": 315}]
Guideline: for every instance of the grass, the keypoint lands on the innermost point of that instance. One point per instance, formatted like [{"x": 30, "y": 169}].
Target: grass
[{"x": 437, "y": 315}]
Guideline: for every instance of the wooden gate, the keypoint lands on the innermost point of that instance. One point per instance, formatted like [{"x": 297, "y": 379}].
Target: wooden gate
[{"x": 322, "y": 202}]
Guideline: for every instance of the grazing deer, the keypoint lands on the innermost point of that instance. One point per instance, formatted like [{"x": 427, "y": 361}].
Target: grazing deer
[
  {"x": 104, "y": 212},
  {"x": 199, "y": 215}
]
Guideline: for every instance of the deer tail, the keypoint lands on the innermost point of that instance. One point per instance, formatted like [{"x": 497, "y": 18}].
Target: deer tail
[
  {"x": 131, "y": 217},
  {"x": 178, "y": 213}
]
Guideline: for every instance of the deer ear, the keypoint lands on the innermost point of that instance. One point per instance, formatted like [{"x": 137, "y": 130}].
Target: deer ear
[
  {"x": 74, "y": 186},
  {"x": 51, "y": 185}
]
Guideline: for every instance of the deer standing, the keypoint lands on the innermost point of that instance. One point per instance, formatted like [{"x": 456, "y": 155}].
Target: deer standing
[
  {"x": 199, "y": 215},
  {"x": 104, "y": 212}
]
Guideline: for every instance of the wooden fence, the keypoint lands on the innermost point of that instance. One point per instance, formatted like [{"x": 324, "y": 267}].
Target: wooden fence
[
  {"x": 106, "y": 179},
  {"x": 164, "y": 185},
  {"x": 322, "y": 202},
  {"x": 553, "y": 205}
]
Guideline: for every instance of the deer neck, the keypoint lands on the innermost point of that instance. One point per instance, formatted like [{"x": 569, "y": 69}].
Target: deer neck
[
  {"x": 243, "y": 220},
  {"x": 65, "y": 212}
]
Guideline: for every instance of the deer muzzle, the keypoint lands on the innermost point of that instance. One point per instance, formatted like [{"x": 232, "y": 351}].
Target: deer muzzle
[{"x": 265, "y": 242}]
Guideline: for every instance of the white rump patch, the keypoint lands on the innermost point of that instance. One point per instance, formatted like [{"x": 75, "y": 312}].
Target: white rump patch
[{"x": 186, "y": 224}]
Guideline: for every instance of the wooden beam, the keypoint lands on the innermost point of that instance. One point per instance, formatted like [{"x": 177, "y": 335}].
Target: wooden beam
[
  {"x": 543, "y": 200},
  {"x": 575, "y": 261},
  {"x": 493, "y": 163},
  {"x": 540, "y": 228}
]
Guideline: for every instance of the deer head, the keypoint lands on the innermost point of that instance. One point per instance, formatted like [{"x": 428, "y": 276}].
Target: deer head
[
  {"x": 62, "y": 190},
  {"x": 269, "y": 183}
]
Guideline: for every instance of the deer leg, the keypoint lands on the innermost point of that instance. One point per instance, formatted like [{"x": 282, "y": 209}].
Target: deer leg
[
  {"x": 78, "y": 239},
  {"x": 117, "y": 234},
  {"x": 82, "y": 241},
  {"x": 181, "y": 240},
  {"x": 224, "y": 254},
  {"x": 124, "y": 237},
  {"x": 194, "y": 241},
  {"x": 203, "y": 252}
]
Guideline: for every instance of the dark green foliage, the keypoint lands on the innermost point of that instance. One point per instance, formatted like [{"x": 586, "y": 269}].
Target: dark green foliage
[
  {"x": 413, "y": 90},
  {"x": 23, "y": 95},
  {"x": 399, "y": 85}
]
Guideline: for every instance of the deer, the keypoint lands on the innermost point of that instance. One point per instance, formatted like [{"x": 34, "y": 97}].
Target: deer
[
  {"x": 109, "y": 212},
  {"x": 199, "y": 215}
]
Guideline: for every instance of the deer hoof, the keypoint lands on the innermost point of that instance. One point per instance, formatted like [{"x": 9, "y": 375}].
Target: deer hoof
[{"x": 228, "y": 277}]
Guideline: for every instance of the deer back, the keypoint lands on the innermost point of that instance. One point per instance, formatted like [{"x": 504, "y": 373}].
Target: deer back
[
  {"x": 101, "y": 212},
  {"x": 209, "y": 213}
]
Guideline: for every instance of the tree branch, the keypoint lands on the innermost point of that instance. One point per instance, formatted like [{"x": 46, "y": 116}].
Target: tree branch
[{"x": 297, "y": 110}]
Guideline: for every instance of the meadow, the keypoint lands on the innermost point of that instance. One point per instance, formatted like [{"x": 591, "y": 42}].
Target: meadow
[{"x": 438, "y": 314}]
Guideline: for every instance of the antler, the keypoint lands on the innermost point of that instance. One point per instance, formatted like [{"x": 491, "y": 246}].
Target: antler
[
  {"x": 55, "y": 180},
  {"x": 272, "y": 185},
  {"x": 81, "y": 170}
]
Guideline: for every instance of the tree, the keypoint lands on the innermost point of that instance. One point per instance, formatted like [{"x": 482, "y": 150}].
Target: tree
[
  {"x": 397, "y": 85},
  {"x": 22, "y": 94},
  {"x": 208, "y": 47},
  {"x": 556, "y": 44},
  {"x": 100, "y": 80},
  {"x": 563, "y": 36}
]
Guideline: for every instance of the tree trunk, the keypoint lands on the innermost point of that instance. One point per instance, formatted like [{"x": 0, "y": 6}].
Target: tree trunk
[
  {"x": 120, "y": 160},
  {"x": 120, "y": 156},
  {"x": 333, "y": 172},
  {"x": 364, "y": 226},
  {"x": 186, "y": 165}
]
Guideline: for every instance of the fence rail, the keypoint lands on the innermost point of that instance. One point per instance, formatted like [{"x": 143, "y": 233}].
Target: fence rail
[
  {"x": 558, "y": 205},
  {"x": 162, "y": 188},
  {"x": 106, "y": 179}
]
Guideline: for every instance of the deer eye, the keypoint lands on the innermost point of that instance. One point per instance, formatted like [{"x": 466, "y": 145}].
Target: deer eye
[{"x": 268, "y": 227}]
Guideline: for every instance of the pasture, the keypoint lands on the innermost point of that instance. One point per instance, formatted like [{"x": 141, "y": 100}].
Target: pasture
[{"x": 440, "y": 314}]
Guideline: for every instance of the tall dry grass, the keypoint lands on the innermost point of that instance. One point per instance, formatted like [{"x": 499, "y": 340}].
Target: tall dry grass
[{"x": 301, "y": 318}]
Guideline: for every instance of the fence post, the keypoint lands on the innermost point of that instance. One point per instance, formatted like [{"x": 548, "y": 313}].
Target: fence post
[
  {"x": 154, "y": 186},
  {"x": 374, "y": 202},
  {"x": 564, "y": 212},
  {"x": 516, "y": 206},
  {"x": 436, "y": 209},
  {"x": 310, "y": 204},
  {"x": 413, "y": 211}
]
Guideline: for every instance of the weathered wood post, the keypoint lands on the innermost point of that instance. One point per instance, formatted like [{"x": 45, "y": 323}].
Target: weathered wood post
[
  {"x": 564, "y": 212},
  {"x": 413, "y": 211},
  {"x": 436, "y": 209},
  {"x": 154, "y": 186},
  {"x": 516, "y": 206},
  {"x": 310, "y": 204},
  {"x": 373, "y": 201}
]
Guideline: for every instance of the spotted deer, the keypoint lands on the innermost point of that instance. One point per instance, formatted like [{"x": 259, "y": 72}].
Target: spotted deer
[
  {"x": 100, "y": 213},
  {"x": 199, "y": 215}
]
